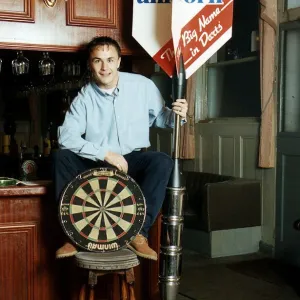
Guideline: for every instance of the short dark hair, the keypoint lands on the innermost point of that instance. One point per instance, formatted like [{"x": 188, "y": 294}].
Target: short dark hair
[{"x": 102, "y": 41}]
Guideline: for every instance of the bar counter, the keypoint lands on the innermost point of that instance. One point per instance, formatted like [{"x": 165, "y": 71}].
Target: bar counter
[
  {"x": 29, "y": 236},
  {"x": 21, "y": 190}
]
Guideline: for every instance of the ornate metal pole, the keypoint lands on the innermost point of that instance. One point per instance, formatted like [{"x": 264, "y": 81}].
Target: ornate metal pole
[{"x": 172, "y": 219}]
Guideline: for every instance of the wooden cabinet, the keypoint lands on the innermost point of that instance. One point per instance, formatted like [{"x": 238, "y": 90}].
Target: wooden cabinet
[
  {"x": 31, "y": 24},
  {"x": 28, "y": 239},
  {"x": 29, "y": 236},
  {"x": 17, "y": 11},
  {"x": 18, "y": 254},
  {"x": 93, "y": 13}
]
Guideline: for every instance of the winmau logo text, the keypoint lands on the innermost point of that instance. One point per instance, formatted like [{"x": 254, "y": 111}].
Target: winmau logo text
[{"x": 187, "y": 1}]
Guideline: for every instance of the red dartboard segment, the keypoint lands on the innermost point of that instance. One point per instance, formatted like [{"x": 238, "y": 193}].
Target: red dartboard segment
[{"x": 102, "y": 210}]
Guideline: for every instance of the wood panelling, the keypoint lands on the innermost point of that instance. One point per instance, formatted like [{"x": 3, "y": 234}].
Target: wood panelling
[
  {"x": 92, "y": 13},
  {"x": 226, "y": 149},
  {"x": 18, "y": 253},
  {"x": 248, "y": 160},
  {"x": 51, "y": 32},
  {"x": 29, "y": 236},
  {"x": 17, "y": 11},
  {"x": 222, "y": 147}
]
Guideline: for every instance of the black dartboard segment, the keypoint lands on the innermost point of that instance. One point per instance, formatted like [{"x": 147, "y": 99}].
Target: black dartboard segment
[{"x": 102, "y": 210}]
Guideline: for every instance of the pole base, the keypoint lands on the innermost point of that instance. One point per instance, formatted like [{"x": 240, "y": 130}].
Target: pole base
[{"x": 168, "y": 290}]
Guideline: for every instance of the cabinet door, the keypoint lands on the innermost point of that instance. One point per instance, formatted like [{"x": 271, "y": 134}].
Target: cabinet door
[
  {"x": 17, "y": 11},
  {"x": 92, "y": 13},
  {"x": 18, "y": 254}
]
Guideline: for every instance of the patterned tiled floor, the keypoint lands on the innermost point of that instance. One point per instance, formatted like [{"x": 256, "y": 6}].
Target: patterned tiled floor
[{"x": 214, "y": 279}]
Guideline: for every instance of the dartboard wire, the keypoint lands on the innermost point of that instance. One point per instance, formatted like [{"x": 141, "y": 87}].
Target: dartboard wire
[
  {"x": 125, "y": 193},
  {"x": 116, "y": 219},
  {"x": 128, "y": 209},
  {"x": 108, "y": 195},
  {"x": 95, "y": 230},
  {"x": 88, "y": 222},
  {"x": 80, "y": 193},
  {"x": 98, "y": 222},
  {"x": 110, "y": 233},
  {"x": 94, "y": 184},
  {"x": 115, "y": 209},
  {"x": 116, "y": 228},
  {"x": 75, "y": 209},
  {"x": 125, "y": 225},
  {"x": 91, "y": 218},
  {"x": 110, "y": 185},
  {"x": 85, "y": 221}
]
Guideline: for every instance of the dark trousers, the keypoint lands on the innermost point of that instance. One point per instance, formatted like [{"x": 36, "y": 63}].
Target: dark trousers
[{"x": 151, "y": 170}]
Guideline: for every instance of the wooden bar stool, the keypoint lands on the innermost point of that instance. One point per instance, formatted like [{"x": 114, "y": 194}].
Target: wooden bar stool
[{"x": 120, "y": 262}]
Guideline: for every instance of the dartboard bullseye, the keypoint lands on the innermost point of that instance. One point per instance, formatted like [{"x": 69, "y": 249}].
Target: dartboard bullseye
[{"x": 102, "y": 210}]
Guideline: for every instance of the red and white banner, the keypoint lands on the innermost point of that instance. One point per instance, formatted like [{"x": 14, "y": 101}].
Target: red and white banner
[
  {"x": 151, "y": 27},
  {"x": 199, "y": 30}
]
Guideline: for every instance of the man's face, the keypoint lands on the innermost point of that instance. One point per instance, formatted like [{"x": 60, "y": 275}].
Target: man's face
[{"x": 104, "y": 63}]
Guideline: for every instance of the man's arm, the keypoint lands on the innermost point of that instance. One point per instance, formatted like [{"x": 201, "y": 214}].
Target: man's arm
[{"x": 70, "y": 133}]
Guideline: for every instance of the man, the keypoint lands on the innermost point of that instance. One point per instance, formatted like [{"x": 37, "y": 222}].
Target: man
[{"x": 108, "y": 125}]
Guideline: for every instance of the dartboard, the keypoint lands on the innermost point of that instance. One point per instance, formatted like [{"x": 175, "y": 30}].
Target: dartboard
[{"x": 102, "y": 210}]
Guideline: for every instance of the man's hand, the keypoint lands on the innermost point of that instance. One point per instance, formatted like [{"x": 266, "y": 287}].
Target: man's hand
[
  {"x": 117, "y": 160},
  {"x": 180, "y": 107}
]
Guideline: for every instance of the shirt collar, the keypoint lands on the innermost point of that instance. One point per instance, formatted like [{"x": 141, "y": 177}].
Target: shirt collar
[{"x": 116, "y": 91}]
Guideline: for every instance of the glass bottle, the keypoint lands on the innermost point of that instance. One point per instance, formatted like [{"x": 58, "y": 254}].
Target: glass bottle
[
  {"x": 20, "y": 65},
  {"x": 77, "y": 68}
]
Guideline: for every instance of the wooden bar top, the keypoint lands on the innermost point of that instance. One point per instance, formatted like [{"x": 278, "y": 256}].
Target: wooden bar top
[{"x": 25, "y": 190}]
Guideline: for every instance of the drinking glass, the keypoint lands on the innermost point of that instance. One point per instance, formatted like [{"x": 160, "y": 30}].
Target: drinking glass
[{"x": 20, "y": 65}]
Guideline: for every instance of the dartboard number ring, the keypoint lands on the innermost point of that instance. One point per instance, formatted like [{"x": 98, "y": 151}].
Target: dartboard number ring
[{"x": 102, "y": 210}]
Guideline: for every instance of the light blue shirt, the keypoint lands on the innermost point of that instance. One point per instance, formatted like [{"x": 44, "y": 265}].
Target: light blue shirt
[{"x": 98, "y": 122}]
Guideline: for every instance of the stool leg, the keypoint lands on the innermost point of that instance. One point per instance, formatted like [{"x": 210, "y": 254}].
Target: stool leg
[
  {"x": 131, "y": 292},
  {"x": 92, "y": 284},
  {"x": 123, "y": 287},
  {"x": 92, "y": 293},
  {"x": 82, "y": 293},
  {"x": 130, "y": 282}
]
